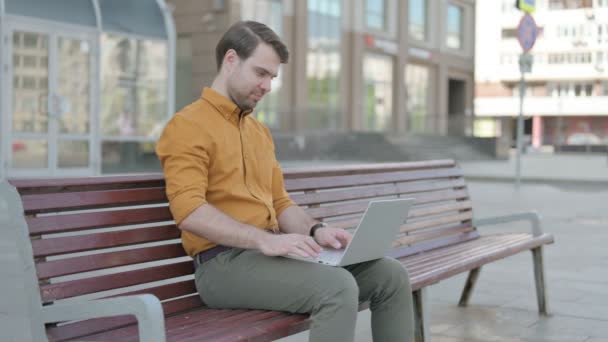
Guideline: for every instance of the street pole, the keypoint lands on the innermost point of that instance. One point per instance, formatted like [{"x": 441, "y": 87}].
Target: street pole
[{"x": 520, "y": 121}]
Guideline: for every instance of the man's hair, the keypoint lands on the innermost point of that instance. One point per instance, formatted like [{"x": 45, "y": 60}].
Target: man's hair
[{"x": 244, "y": 37}]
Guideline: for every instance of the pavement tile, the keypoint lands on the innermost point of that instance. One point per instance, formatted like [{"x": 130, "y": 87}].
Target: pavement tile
[{"x": 558, "y": 324}]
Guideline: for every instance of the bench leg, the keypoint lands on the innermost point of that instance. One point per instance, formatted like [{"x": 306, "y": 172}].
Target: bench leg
[
  {"x": 539, "y": 277},
  {"x": 469, "y": 286},
  {"x": 421, "y": 316}
]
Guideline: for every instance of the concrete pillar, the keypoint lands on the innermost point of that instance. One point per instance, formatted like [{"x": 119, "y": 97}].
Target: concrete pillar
[{"x": 537, "y": 131}]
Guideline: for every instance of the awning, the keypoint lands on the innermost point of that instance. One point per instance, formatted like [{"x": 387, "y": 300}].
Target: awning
[{"x": 138, "y": 17}]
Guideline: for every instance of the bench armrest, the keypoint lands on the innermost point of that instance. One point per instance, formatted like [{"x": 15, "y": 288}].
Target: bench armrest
[
  {"x": 532, "y": 216},
  {"x": 146, "y": 308}
]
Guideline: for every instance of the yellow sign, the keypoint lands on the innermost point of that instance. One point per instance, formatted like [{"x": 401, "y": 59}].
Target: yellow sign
[{"x": 528, "y": 6}]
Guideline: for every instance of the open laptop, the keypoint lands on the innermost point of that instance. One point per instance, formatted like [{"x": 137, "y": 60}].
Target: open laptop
[{"x": 372, "y": 238}]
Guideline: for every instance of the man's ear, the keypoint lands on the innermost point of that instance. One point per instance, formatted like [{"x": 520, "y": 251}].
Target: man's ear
[{"x": 231, "y": 59}]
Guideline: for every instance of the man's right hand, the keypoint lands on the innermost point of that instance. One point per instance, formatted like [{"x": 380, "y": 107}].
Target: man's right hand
[{"x": 289, "y": 244}]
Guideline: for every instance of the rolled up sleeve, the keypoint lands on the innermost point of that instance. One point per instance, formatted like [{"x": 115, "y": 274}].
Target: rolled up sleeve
[{"x": 185, "y": 162}]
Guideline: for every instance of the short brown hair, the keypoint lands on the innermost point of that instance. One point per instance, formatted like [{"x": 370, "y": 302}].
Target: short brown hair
[{"x": 244, "y": 37}]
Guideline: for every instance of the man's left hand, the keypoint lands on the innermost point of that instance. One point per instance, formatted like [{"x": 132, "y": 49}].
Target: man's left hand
[{"x": 332, "y": 237}]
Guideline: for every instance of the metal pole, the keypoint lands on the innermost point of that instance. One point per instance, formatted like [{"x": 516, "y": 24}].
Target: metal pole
[{"x": 520, "y": 123}]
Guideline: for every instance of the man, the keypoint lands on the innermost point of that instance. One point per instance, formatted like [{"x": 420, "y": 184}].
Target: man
[{"x": 226, "y": 193}]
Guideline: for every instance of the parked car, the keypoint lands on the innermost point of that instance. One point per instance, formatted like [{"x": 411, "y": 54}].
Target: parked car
[{"x": 583, "y": 139}]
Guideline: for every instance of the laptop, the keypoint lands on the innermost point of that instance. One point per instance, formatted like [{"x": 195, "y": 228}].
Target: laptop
[{"x": 372, "y": 238}]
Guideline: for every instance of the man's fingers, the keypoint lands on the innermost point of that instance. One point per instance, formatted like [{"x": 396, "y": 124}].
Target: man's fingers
[
  {"x": 308, "y": 249},
  {"x": 313, "y": 244},
  {"x": 335, "y": 242},
  {"x": 344, "y": 236}
]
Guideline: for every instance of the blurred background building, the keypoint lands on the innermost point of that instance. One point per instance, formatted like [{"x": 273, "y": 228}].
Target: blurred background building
[
  {"x": 87, "y": 85},
  {"x": 364, "y": 65},
  {"x": 566, "y": 103},
  {"x": 367, "y": 79}
]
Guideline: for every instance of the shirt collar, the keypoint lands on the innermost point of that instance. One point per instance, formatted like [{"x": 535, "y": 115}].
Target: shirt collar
[{"x": 224, "y": 105}]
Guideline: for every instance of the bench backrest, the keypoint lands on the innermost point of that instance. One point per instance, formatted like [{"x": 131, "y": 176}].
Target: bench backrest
[{"x": 107, "y": 236}]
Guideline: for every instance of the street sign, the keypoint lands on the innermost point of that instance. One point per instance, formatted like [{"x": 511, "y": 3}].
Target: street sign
[
  {"x": 527, "y": 32},
  {"x": 528, "y": 6}
]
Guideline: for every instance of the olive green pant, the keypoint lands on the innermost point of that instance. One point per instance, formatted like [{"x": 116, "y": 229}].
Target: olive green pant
[{"x": 247, "y": 279}]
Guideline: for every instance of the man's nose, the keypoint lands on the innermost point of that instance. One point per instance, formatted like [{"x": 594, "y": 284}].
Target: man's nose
[{"x": 266, "y": 84}]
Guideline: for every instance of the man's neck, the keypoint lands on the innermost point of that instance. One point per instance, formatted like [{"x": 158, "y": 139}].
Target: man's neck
[{"x": 220, "y": 87}]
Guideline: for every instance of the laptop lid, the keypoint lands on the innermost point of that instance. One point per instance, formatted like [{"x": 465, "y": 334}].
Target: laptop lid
[{"x": 377, "y": 229}]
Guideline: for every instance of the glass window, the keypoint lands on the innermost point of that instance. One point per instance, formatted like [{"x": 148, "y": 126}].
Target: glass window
[
  {"x": 455, "y": 21},
  {"x": 74, "y": 85},
  {"x": 378, "y": 73},
  {"x": 30, "y": 97},
  {"x": 73, "y": 154},
  {"x": 129, "y": 157},
  {"x": 269, "y": 12},
  {"x": 417, "y": 86},
  {"x": 605, "y": 88},
  {"x": 134, "y": 87},
  {"x": 375, "y": 14},
  {"x": 323, "y": 64},
  {"x": 418, "y": 11},
  {"x": 183, "y": 72},
  {"x": 30, "y": 154}
]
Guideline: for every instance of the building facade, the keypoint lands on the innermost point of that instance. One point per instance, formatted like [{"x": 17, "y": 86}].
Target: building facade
[
  {"x": 85, "y": 85},
  {"x": 566, "y": 101},
  {"x": 364, "y": 65}
]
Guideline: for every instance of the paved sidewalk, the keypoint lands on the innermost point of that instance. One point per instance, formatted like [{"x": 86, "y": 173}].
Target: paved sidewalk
[{"x": 546, "y": 168}]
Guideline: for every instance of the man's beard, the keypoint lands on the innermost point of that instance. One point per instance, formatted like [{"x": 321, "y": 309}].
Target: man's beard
[{"x": 242, "y": 102}]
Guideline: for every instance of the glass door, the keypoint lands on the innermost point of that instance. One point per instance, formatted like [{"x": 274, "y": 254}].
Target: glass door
[{"x": 51, "y": 109}]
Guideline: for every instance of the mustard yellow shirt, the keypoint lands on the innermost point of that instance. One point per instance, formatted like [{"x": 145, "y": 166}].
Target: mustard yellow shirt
[{"x": 210, "y": 153}]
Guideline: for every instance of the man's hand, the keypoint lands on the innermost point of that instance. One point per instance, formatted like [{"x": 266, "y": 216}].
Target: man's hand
[
  {"x": 292, "y": 244},
  {"x": 332, "y": 237}
]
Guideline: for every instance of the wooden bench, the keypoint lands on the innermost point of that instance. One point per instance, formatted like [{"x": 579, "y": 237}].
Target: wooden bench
[{"x": 82, "y": 239}]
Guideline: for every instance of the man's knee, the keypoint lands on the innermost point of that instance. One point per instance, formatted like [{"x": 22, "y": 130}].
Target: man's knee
[
  {"x": 392, "y": 274},
  {"x": 341, "y": 290}
]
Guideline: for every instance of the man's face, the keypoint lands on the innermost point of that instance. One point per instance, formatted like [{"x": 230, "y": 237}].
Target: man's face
[{"x": 249, "y": 80}]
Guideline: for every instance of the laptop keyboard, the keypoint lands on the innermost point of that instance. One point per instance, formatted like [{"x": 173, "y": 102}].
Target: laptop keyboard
[{"x": 331, "y": 256}]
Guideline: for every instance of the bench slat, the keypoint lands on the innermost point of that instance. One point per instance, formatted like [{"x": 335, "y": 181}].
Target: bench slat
[
  {"x": 477, "y": 247},
  {"x": 78, "y": 243},
  {"x": 442, "y": 220},
  {"x": 284, "y": 326},
  {"x": 374, "y": 191},
  {"x": 426, "y": 236},
  {"x": 41, "y": 203},
  {"x": 343, "y": 170},
  {"x": 49, "y": 185},
  {"x": 359, "y": 207},
  {"x": 409, "y": 250},
  {"x": 100, "y": 261},
  {"x": 83, "y": 221},
  {"x": 201, "y": 331},
  {"x": 439, "y": 209},
  {"x": 169, "y": 291},
  {"x": 333, "y": 182},
  {"x": 72, "y": 288}
]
